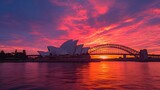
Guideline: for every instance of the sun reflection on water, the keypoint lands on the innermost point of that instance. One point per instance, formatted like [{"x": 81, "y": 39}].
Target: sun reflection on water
[{"x": 81, "y": 76}]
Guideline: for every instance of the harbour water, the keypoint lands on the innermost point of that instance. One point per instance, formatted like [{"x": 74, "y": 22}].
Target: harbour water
[{"x": 80, "y": 76}]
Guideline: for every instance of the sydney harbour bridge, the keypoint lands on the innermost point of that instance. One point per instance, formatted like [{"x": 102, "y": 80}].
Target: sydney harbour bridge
[{"x": 116, "y": 49}]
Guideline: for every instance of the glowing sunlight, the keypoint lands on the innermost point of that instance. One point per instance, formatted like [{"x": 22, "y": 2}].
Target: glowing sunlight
[{"x": 103, "y": 57}]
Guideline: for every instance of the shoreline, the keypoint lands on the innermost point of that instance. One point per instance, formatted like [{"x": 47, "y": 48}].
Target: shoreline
[{"x": 74, "y": 60}]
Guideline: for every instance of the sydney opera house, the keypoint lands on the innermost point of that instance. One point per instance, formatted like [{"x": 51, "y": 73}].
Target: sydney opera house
[{"x": 68, "y": 48}]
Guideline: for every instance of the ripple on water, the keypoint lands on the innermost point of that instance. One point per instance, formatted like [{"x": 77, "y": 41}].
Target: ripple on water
[{"x": 80, "y": 76}]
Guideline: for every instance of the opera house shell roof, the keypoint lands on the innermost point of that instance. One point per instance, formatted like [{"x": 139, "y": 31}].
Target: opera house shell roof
[{"x": 69, "y": 47}]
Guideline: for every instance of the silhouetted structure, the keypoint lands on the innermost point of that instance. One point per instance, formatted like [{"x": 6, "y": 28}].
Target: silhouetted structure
[
  {"x": 66, "y": 50},
  {"x": 143, "y": 55},
  {"x": 13, "y": 56},
  {"x": 70, "y": 51},
  {"x": 2, "y": 54},
  {"x": 120, "y": 50},
  {"x": 116, "y": 49}
]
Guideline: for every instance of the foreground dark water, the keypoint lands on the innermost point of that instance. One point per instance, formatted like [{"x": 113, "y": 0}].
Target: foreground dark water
[{"x": 80, "y": 76}]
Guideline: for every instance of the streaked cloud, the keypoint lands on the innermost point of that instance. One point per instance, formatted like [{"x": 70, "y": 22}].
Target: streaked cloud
[{"x": 34, "y": 24}]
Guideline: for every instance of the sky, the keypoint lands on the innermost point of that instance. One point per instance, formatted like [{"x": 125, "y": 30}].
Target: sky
[{"x": 35, "y": 24}]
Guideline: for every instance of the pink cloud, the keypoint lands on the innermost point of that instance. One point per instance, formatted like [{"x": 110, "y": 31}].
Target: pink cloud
[
  {"x": 101, "y": 6},
  {"x": 130, "y": 30}
]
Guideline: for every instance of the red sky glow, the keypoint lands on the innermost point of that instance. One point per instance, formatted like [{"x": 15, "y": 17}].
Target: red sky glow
[{"x": 35, "y": 24}]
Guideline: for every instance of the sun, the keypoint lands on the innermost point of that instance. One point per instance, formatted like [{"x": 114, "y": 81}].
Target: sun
[{"x": 103, "y": 57}]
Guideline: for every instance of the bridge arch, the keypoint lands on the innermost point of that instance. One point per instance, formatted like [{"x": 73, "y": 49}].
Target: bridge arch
[{"x": 116, "y": 46}]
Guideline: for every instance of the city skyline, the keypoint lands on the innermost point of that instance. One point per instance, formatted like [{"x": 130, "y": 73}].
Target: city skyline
[{"x": 35, "y": 24}]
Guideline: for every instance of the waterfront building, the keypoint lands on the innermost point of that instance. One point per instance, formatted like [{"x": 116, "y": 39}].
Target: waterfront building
[
  {"x": 69, "y": 47},
  {"x": 13, "y": 55},
  {"x": 143, "y": 54}
]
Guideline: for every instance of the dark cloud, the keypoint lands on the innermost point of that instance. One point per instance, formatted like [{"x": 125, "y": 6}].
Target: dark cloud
[
  {"x": 36, "y": 23},
  {"x": 135, "y": 6},
  {"x": 18, "y": 16},
  {"x": 154, "y": 21}
]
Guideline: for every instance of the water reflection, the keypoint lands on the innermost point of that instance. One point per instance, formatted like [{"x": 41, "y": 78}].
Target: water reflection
[{"x": 81, "y": 76}]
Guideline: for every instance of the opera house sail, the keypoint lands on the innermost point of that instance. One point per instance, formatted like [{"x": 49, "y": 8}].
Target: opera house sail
[
  {"x": 56, "y": 51},
  {"x": 68, "y": 48},
  {"x": 43, "y": 54},
  {"x": 78, "y": 50},
  {"x": 85, "y": 50}
]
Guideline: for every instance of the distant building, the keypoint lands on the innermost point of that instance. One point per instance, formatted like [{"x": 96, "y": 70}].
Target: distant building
[
  {"x": 69, "y": 47},
  {"x": 13, "y": 55},
  {"x": 2, "y": 54},
  {"x": 21, "y": 55},
  {"x": 143, "y": 54}
]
